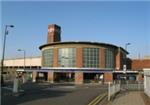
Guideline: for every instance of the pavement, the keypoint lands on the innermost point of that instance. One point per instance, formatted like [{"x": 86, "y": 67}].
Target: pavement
[
  {"x": 52, "y": 94},
  {"x": 130, "y": 98}
]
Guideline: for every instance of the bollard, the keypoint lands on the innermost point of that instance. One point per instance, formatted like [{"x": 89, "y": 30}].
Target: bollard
[
  {"x": 15, "y": 85},
  {"x": 23, "y": 79},
  {"x": 108, "y": 91},
  {"x": 127, "y": 85}
]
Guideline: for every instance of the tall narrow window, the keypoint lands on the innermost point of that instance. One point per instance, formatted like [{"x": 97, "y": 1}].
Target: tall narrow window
[
  {"x": 67, "y": 57},
  {"x": 91, "y": 57},
  {"x": 47, "y": 58},
  {"x": 109, "y": 58}
]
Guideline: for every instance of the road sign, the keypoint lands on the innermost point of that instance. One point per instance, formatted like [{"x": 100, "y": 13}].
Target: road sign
[{"x": 124, "y": 68}]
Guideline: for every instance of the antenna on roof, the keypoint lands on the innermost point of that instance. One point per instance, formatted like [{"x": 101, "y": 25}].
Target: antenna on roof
[{"x": 139, "y": 56}]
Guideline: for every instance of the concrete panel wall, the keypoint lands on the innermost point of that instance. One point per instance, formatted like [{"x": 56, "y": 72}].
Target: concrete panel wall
[
  {"x": 147, "y": 82},
  {"x": 20, "y": 62}
]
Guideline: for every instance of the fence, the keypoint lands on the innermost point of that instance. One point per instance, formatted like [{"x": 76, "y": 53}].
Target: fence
[
  {"x": 112, "y": 90},
  {"x": 137, "y": 86}
]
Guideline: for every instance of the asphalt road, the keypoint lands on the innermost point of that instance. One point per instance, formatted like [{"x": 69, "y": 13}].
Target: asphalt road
[{"x": 56, "y": 94}]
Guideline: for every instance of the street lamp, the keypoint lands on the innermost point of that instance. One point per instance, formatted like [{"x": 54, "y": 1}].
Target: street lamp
[
  {"x": 125, "y": 61},
  {"x": 3, "y": 53},
  {"x": 127, "y": 45},
  {"x": 24, "y": 53}
]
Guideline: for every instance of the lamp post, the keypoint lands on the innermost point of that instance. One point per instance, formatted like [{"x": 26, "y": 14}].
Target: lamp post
[
  {"x": 126, "y": 45},
  {"x": 24, "y": 53},
  {"x": 125, "y": 61},
  {"x": 3, "y": 53}
]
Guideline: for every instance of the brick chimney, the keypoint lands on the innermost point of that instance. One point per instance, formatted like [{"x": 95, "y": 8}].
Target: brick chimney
[{"x": 54, "y": 32}]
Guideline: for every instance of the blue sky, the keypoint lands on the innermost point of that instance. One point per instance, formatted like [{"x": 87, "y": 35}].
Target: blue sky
[{"x": 109, "y": 22}]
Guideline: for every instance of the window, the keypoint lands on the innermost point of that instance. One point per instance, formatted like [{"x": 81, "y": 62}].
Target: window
[
  {"x": 91, "y": 57},
  {"x": 67, "y": 57},
  {"x": 47, "y": 58},
  {"x": 109, "y": 58}
]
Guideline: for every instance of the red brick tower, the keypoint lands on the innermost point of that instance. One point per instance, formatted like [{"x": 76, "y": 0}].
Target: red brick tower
[{"x": 54, "y": 32}]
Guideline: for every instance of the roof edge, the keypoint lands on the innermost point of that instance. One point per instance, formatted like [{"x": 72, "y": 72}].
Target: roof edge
[{"x": 82, "y": 42}]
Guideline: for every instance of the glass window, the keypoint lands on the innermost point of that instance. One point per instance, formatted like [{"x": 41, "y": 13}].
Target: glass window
[
  {"x": 91, "y": 57},
  {"x": 109, "y": 58},
  {"x": 67, "y": 57},
  {"x": 47, "y": 58}
]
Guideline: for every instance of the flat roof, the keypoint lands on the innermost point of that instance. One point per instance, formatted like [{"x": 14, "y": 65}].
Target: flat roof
[
  {"x": 82, "y": 42},
  {"x": 32, "y": 57}
]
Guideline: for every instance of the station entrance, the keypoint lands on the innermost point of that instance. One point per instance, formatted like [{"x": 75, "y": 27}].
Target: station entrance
[
  {"x": 41, "y": 76},
  {"x": 64, "y": 77},
  {"x": 93, "y": 77}
]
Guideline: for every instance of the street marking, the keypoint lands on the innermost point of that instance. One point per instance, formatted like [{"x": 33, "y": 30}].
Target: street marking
[
  {"x": 8, "y": 88},
  {"x": 97, "y": 99},
  {"x": 68, "y": 87},
  {"x": 60, "y": 87}
]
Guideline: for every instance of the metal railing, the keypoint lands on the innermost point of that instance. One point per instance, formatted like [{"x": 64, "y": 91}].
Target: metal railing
[
  {"x": 113, "y": 89},
  {"x": 133, "y": 86}
]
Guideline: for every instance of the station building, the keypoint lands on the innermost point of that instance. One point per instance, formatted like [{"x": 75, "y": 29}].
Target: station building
[{"x": 79, "y": 61}]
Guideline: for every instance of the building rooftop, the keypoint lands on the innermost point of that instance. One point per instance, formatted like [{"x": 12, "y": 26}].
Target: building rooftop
[{"x": 83, "y": 42}]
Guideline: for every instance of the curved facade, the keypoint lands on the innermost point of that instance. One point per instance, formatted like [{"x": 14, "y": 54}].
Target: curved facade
[
  {"x": 79, "y": 61},
  {"x": 80, "y": 55}
]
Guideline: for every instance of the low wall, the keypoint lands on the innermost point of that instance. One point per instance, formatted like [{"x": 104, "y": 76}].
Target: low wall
[{"x": 147, "y": 81}]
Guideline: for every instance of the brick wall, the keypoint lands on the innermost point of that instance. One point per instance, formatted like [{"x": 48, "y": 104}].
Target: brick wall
[
  {"x": 54, "y": 32},
  {"x": 108, "y": 77},
  {"x": 34, "y": 75},
  {"x": 78, "y": 77},
  {"x": 118, "y": 61},
  {"x": 139, "y": 64},
  {"x": 79, "y": 57},
  {"x": 50, "y": 76},
  {"x": 102, "y": 58}
]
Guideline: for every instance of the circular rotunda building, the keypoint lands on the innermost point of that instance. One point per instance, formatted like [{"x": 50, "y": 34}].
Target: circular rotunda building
[{"x": 79, "y": 62}]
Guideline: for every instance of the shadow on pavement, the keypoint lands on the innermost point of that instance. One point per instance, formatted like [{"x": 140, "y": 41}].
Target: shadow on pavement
[
  {"x": 119, "y": 95},
  {"x": 32, "y": 91},
  {"x": 145, "y": 98}
]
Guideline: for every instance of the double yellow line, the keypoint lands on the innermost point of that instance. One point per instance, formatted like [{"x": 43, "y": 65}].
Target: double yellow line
[{"x": 97, "y": 99}]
